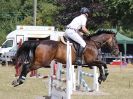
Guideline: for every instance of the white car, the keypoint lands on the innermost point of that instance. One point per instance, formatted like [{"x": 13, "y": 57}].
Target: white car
[{"x": 8, "y": 56}]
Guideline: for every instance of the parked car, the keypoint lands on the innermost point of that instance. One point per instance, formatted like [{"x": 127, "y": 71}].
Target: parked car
[{"x": 8, "y": 56}]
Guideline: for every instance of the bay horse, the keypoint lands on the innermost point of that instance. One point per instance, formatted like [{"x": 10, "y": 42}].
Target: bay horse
[{"x": 34, "y": 55}]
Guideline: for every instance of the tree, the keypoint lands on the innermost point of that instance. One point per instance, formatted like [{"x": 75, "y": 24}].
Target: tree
[
  {"x": 120, "y": 13},
  {"x": 8, "y": 16},
  {"x": 71, "y": 8},
  {"x": 106, "y": 13}
]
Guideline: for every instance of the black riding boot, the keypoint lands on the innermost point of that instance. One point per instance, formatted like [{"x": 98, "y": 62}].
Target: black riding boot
[{"x": 79, "y": 56}]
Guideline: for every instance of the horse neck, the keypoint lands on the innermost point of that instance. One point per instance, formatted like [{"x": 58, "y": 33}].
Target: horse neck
[{"x": 100, "y": 40}]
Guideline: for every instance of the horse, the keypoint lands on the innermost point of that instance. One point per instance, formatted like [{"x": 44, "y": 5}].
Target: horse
[{"x": 34, "y": 55}]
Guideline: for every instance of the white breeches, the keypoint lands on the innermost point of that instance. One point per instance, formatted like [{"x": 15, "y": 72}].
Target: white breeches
[{"x": 75, "y": 36}]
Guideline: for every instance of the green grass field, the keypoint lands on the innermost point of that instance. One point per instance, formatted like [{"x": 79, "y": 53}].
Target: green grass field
[{"x": 119, "y": 85}]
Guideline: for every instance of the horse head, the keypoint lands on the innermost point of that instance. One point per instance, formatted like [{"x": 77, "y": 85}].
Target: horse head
[
  {"x": 106, "y": 37},
  {"x": 110, "y": 40}
]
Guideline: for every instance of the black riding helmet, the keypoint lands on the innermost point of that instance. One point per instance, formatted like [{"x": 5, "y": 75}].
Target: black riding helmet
[{"x": 85, "y": 10}]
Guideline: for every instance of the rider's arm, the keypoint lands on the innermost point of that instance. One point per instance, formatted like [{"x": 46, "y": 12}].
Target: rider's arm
[{"x": 85, "y": 30}]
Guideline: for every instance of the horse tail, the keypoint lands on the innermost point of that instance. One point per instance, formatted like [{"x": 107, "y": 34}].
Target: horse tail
[{"x": 26, "y": 52}]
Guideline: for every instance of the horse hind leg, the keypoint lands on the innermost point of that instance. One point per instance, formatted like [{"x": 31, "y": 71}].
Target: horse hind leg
[{"x": 21, "y": 79}]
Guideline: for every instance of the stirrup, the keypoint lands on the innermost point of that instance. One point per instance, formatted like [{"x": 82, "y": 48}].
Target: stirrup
[{"x": 78, "y": 61}]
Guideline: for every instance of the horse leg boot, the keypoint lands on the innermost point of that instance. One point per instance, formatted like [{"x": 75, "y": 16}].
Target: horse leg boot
[
  {"x": 79, "y": 56},
  {"x": 21, "y": 79}
]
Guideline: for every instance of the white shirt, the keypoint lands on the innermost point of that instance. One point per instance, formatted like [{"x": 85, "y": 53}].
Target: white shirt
[{"x": 78, "y": 22}]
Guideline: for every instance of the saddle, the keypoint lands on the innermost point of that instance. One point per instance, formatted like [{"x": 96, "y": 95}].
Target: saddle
[{"x": 75, "y": 44}]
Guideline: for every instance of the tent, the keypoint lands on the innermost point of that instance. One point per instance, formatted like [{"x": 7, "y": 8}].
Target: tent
[{"x": 122, "y": 39}]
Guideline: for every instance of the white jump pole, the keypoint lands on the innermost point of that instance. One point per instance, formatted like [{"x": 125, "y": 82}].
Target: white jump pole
[
  {"x": 73, "y": 79},
  {"x": 50, "y": 77},
  {"x": 79, "y": 76},
  {"x": 59, "y": 71},
  {"x": 69, "y": 72},
  {"x": 49, "y": 86},
  {"x": 70, "y": 77},
  {"x": 95, "y": 79},
  {"x": 81, "y": 81}
]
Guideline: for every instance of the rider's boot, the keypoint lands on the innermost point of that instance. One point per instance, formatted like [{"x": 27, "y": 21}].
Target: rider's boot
[{"x": 79, "y": 56}]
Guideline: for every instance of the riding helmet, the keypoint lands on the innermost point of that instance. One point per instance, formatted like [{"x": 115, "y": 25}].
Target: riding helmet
[{"x": 85, "y": 10}]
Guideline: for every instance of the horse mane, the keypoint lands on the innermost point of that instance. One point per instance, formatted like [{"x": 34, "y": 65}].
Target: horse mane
[
  {"x": 99, "y": 32},
  {"x": 108, "y": 31}
]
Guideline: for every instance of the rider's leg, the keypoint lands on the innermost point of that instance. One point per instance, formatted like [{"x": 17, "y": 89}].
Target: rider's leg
[
  {"x": 77, "y": 38},
  {"x": 79, "y": 55}
]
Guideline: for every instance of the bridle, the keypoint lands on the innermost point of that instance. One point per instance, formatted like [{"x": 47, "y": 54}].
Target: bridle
[
  {"x": 114, "y": 47},
  {"x": 100, "y": 44},
  {"x": 97, "y": 43}
]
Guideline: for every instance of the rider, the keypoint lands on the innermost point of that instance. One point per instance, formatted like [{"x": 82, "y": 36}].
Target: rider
[{"x": 72, "y": 31}]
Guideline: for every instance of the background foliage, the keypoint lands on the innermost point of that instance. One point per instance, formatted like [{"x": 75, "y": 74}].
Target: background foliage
[{"x": 106, "y": 14}]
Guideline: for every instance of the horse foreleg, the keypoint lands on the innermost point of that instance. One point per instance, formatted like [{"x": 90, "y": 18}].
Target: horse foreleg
[
  {"x": 21, "y": 79},
  {"x": 102, "y": 76},
  {"x": 103, "y": 69},
  {"x": 106, "y": 71}
]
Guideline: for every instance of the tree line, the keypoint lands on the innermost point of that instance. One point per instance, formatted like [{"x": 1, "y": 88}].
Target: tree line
[{"x": 116, "y": 14}]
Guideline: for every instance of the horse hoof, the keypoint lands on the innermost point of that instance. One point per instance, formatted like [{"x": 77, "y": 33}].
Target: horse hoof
[
  {"x": 104, "y": 78},
  {"x": 91, "y": 90},
  {"x": 77, "y": 87},
  {"x": 106, "y": 74},
  {"x": 15, "y": 83},
  {"x": 99, "y": 81}
]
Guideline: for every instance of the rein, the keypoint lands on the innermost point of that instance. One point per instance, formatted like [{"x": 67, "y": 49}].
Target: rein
[{"x": 98, "y": 44}]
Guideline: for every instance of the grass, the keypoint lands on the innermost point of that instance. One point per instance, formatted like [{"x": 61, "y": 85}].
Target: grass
[
  {"x": 32, "y": 88},
  {"x": 119, "y": 85}
]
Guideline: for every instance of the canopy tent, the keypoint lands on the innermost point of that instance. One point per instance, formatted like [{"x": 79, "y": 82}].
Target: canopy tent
[{"x": 122, "y": 39}]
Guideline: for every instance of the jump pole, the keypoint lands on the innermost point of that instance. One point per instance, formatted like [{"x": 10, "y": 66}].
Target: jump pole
[
  {"x": 69, "y": 72},
  {"x": 82, "y": 82},
  {"x": 95, "y": 79},
  {"x": 70, "y": 78}
]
